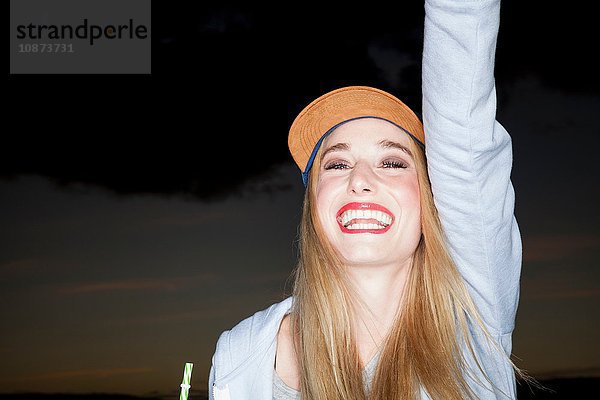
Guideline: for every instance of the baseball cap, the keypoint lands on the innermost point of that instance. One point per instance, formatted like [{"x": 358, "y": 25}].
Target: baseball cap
[{"x": 324, "y": 114}]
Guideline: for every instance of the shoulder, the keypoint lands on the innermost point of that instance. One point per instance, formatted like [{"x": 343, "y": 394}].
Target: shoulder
[{"x": 251, "y": 336}]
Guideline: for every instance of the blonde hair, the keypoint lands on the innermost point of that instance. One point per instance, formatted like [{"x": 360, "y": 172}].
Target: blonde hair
[{"x": 423, "y": 348}]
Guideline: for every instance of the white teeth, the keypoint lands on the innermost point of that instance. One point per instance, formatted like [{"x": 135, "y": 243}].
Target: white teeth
[
  {"x": 346, "y": 218},
  {"x": 384, "y": 219},
  {"x": 365, "y": 226},
  {"x": 381, "y": 217}
]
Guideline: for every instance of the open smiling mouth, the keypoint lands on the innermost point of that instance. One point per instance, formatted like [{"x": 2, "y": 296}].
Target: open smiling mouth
[{"x": 364, "y": 218}]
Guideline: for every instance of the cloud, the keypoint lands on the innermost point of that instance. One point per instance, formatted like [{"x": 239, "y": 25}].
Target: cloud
[
  {"x": 168, "y": 318},
  {"x": 392, "y": 62},
  {"x": 570, "y": 373},
  {"x": 559, "y": 293},
  {"x": 89, "y": 373},
  {"x": 227, "y": 19},
  {"x": 145, "y": 284},
  {"x": 122, "y": 285},
  {"x": 16, "y": 266},
  {"x": 199, "y": 218},
  {"x": 559, "y": 267},
  {"x": 543, "y": 248},
  {"x": 19, "y": 264}
]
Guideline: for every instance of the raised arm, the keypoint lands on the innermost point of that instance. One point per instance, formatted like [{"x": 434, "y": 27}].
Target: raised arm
[{"x": 470, "y": 154}]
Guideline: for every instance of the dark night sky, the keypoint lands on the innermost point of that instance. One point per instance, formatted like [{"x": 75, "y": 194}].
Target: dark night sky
[{"x": 143, "y": 215}]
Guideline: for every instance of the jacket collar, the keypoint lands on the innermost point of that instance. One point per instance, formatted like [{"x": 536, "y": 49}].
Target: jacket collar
[{"x": 252, "y": 376}]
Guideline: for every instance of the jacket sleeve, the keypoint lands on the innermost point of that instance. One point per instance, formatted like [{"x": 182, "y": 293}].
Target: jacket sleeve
[
  {"x": 211, "y": 379},
  {"x": 469, "y": 154},
  {"x": 219, "y": 362}
]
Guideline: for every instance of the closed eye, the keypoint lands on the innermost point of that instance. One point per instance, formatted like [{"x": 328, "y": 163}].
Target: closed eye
[
  {"x": 336, "y": 165},
  {"x": 394, "y": 164}
]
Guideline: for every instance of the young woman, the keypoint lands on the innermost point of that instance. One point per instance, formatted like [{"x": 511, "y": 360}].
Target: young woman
[{"x": 408, "y": 279}]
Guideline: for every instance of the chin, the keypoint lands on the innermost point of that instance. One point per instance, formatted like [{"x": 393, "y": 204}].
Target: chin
[{"x": 358, "y": 256}]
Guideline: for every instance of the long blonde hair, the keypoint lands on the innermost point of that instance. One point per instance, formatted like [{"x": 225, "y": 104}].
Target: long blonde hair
[{"x": 423, "y": 348}]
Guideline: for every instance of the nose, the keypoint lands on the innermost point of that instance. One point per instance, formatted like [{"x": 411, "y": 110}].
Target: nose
[{"x": 361, "y": 180}]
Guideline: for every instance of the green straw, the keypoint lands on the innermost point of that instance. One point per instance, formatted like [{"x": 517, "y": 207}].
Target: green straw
[{"x": 187, "y": 377}]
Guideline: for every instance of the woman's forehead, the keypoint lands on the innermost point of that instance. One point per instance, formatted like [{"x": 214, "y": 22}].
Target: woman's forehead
[{"x": 366, "y": 130}]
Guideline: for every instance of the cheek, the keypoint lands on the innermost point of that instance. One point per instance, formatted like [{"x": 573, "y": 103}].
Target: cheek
[
  {"x": 327, "y": 197},
  {"x": 409, "y": 200},
  {"x": 325, "y": 194},
  {"x": 416, "y": 193},
  {"x": 323, "y": 200},
  {"x": 407, "y": 192}
]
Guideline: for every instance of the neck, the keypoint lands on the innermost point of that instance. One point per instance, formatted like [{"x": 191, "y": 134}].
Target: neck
[{"x": 380, "y": 288}]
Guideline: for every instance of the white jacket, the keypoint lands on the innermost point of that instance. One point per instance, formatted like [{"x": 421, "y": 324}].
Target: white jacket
[{"x": 469, "y": 157}]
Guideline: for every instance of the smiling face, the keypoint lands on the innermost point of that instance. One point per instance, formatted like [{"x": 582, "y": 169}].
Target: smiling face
[{"x": 367, "y": 193}]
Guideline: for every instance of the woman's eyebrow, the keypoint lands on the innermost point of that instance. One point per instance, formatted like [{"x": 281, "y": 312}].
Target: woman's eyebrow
[
  {"x": 388, "y": 144},
  {"x": 336, "y": 147}
]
